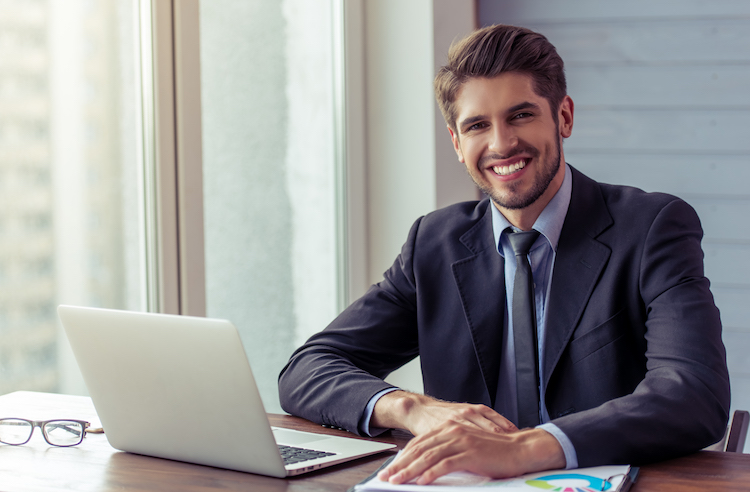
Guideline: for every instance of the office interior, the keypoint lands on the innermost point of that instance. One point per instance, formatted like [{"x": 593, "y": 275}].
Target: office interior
[{"x": 263, "y": 161}]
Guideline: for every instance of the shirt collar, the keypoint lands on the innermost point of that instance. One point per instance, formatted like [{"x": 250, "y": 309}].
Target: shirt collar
[{"x": 550, "y": 221}]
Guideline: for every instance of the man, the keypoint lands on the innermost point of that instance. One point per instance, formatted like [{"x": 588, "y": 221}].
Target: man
[{"x": 626, "y": 363}]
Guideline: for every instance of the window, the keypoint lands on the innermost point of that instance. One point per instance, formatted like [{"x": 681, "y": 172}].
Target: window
[
  {"x": 68, "y": 167},
  {"x": 270, "y": 174}
]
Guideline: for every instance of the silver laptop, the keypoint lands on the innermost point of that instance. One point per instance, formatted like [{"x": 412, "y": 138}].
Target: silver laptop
[{"x": 181, "y": 388}]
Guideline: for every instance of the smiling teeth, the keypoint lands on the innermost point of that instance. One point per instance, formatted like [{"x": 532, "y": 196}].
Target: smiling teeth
[{"x": 506, "y": 170}]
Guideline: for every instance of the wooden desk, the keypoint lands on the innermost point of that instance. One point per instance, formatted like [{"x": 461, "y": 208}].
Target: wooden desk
[{"x": 96, "y": 466}]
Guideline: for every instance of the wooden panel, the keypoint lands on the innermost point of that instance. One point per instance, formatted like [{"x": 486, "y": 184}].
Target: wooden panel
[
  {"x": 529, "y": 11},
  {"x": 675, "y": 174},
  {"x": 728, "y": 264},
  {"x": 723, "y": 132},
  {"x": 739, "y": 360},
  {"x": 649, "y": 41},
  {"x": 734, "y": 305},
  {"x": 673, "y": 87},
  {"x": 723, "y": 219}
]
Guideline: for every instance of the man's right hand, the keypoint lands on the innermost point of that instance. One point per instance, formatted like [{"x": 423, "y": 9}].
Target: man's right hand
[
  {"x": 460, "y": 436},
  {"x": 420, "y": 414}
]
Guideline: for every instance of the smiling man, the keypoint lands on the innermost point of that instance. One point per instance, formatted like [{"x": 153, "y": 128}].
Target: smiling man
[{"x": 560, "y": 322}]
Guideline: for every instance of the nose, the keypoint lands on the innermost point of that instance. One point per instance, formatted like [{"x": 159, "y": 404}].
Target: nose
[{"x": 503, "y": 141}]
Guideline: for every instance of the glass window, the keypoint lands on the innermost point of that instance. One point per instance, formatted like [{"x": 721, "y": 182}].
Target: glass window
[
  {"x": 269, "y": 161},
  {"x": 68, "y": 167}
]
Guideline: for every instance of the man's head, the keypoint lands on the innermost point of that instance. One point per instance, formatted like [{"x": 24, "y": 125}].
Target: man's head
[
  {"x": 495, "y": 50},
  {"x": 504, "y": 98}
]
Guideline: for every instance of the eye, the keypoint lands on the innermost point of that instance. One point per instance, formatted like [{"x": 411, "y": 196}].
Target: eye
[
  {"x": 475, "y": 126},
  {"x": 519, "y": 116}
]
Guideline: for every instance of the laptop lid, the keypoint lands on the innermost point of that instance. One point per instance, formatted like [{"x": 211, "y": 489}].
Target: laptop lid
[{"x": 181, "y": 388}]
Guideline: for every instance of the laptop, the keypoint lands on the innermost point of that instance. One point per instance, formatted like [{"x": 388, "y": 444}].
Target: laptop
[{"x": 181, "y": 388}]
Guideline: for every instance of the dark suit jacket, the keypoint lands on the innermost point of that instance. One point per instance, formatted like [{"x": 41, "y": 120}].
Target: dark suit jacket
[{"x": 635, "y": 368}]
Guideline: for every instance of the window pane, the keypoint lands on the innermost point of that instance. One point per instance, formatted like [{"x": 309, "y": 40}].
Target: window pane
[
  {"x": 68, "y": 207},
  {"x": 269, "y": 174}
]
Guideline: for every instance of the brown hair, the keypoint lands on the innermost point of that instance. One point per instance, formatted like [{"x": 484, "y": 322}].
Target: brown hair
[{"x": 494, "y": 50}]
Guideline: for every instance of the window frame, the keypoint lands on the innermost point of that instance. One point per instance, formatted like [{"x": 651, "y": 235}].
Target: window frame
[{"x": 172, "y": 157}]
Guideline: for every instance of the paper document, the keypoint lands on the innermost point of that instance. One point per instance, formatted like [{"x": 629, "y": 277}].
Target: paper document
[{"x": 600, "y": 478}]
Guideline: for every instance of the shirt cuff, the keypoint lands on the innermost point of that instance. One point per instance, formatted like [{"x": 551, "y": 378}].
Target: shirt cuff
[
  {"x": 571, "y": 457},
  {"x": 364, "y": 421}
]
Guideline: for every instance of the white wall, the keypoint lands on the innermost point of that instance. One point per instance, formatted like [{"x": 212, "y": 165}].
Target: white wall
[
  {"x": 400, "y": 137},
  {"x": 411, "y": 168}
]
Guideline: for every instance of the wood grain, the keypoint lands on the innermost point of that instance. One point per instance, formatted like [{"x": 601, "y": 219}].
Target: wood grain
[{"x": 96, "y": 466}]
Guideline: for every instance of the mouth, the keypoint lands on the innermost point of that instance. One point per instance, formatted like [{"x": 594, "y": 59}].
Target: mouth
[{"x": 511, "y": 168}]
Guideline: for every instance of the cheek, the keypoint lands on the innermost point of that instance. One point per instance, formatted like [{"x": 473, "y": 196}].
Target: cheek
[{"x": 471, "y": 152}]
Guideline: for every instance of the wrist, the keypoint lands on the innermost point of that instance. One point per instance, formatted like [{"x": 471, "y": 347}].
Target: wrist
[
  {"x": 396, "y": 409},
  {"x": 539, "y": 450}
]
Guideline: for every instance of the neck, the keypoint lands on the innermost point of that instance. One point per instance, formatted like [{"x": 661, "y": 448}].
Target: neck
[{"x": 520, "y": 219}]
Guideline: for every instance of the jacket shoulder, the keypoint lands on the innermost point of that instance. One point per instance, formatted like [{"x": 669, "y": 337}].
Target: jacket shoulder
[{"x": 455, "y": 219}]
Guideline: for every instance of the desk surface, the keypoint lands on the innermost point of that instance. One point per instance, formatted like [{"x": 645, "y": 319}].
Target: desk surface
[{"x": 96, "y": 466}]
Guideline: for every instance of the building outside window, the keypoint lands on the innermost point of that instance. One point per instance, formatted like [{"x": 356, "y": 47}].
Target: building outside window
[{"x": 68, "y": 220}]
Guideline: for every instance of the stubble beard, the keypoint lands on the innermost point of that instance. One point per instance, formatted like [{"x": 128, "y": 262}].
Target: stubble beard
[{"x": 512, "y": 199}]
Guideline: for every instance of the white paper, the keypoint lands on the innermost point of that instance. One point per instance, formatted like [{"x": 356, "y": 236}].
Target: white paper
[{"x": 578, "y": 480}]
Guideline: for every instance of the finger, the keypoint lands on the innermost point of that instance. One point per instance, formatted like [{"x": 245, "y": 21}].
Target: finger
[
  {"x": 407, "y": 471},
  {"x": 487, "y": 419},
  {"x": 421, "y": 454},
  {"x": 405, "y": 457},
  {"x": 401, "y": 461},
  {"x": 393, "y": 470},
  {"x": 504, "y": 424},
  {"x": 443, "y": 467}
]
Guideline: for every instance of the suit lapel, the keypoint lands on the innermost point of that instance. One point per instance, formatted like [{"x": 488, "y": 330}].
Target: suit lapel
[
  {"x": 579, "y": 263},
  {"x": 480, "y": 281}
]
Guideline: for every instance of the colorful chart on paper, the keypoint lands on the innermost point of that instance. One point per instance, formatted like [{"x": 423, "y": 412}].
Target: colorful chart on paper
[{"x": 569, "y": 482}]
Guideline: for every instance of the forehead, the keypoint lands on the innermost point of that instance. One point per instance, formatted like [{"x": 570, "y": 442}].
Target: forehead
[{"x": 481, "y": 95}]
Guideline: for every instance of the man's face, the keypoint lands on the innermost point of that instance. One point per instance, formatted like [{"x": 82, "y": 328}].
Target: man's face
[{"x": 508, "y": 139}]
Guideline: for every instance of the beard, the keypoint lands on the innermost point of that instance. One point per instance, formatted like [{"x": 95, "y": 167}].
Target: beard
[{"x": 512, "y": 199}]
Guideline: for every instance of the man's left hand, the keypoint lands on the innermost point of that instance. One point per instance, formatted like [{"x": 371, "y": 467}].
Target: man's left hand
[{"x": 456, "y": 446}]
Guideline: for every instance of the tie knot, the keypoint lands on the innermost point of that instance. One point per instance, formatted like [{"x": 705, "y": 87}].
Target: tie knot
[{"x": 521, "y": 241}]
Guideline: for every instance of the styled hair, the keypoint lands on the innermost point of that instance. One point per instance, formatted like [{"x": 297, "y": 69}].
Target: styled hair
[{"x": 495, "y": 50}]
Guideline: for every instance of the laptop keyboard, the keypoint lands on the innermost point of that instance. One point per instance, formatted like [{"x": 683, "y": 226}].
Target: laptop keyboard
[{"x": 292, "y": 455}]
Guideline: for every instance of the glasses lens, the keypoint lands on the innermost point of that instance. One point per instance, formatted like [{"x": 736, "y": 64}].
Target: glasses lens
[
  {"x": 63, "y": 432},
  {"x": 14, "y": 431}
]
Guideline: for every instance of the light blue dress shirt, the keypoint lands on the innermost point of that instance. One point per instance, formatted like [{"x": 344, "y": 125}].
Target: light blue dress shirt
[{"x": 542, "y": 259}]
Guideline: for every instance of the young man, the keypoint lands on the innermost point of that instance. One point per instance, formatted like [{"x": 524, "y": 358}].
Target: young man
[{"x": 620, "y": 359}]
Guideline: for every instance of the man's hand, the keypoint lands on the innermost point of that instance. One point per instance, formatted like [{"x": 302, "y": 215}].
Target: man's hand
[
  {"x": 420, "y": 414},
  {"x": 460, "y": 436},
  {"x": 456, "y": 447}
]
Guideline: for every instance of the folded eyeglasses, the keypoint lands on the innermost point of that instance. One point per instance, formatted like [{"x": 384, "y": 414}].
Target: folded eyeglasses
[{"x": 63, "y": 433}]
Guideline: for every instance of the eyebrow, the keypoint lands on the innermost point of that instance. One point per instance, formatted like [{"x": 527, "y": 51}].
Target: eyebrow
[{"x": 524, "y": 105}]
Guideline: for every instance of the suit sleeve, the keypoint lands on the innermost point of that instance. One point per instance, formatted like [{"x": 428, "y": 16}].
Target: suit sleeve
[
  {"x": 682, "y": 404},
  {"x": 331, "y": 378}
]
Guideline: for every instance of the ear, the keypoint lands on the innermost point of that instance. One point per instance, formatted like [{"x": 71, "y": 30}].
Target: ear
[
  {"x": 565, "y": 117},
  {"x": 456, "y": 146}
]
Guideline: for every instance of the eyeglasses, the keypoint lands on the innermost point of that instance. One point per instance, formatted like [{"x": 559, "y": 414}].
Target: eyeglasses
[{"x": 61, "y": 433}]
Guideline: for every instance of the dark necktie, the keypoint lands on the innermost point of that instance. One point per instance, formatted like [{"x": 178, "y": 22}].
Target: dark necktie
[{"x": 524, "y": 331}]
